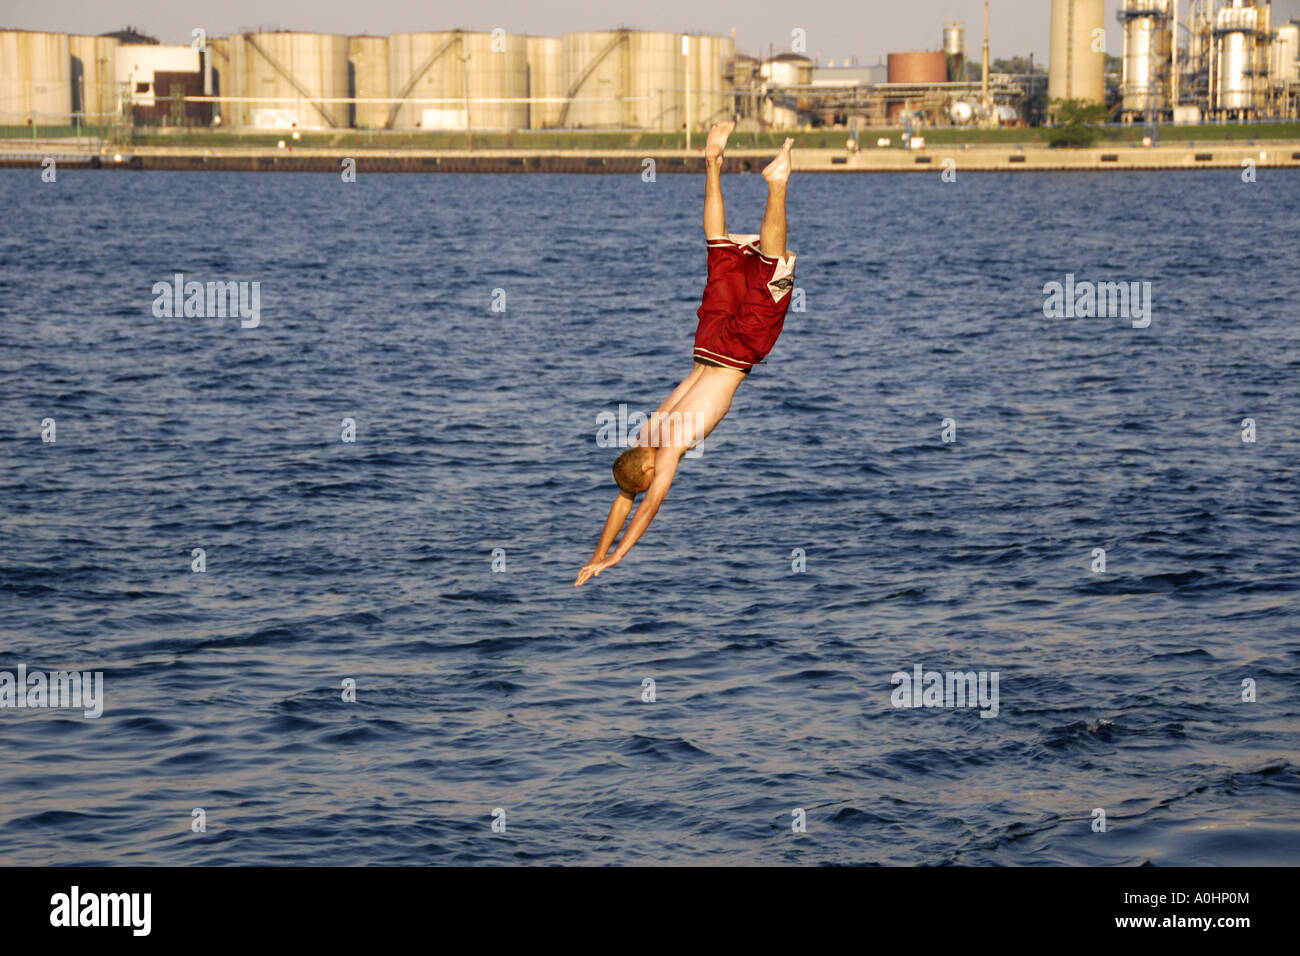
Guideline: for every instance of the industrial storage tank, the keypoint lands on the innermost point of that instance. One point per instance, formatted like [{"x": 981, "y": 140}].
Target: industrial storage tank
[
  {"x": 368, "y": 73},
  {"x": 1077, "y": 70},
  {"x": 1148, "y": 56},
  {"x": 783, "y": 71},
  {"x": 914, "y": 69},
  {"x": 954, "y": 38},
  {"x": 918, "y": 68},
  {"x": 497, "y": 68},
  {"x": 623, "y": 78},
  {"x": 1240, "y": 37},
  {"x": 656, "y": 73},
  {"x": 94, "y": 85},
  {"x": 708, "y": 60},
  {"x": 962, "y": 112},
  {"x": 444, "y": 78},
  {"x": 426, "y": 66},
  {"x": 35, "y": 79},
  {"x": 787, "y": 69},
  {"x": 219, "y": 71},
  {"x": 954, "y": 48},
  {"x": 545, "y": 80},
  {"x": 1285, "y": 66},
  {"x": 297, "y": 80},
  {"x": 595, "y": 68}
]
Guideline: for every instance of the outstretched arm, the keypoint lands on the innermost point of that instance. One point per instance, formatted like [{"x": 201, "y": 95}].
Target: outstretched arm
[
  {"x": 666, "y": 460},
  {"x": 613, "y": 524}
]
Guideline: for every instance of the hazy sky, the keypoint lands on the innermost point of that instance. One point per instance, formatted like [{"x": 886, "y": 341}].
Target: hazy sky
[{"x": 867, "y": 29}]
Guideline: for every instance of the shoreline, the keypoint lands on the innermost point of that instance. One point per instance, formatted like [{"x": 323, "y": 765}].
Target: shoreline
[{"x": 1217, "y": 155}]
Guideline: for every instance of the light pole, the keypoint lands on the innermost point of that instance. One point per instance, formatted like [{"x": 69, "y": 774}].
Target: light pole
[
  {"x": 985, "y": 87},
  {"x": 464, "y": 79},
  {"x": 686, "y": 59}
]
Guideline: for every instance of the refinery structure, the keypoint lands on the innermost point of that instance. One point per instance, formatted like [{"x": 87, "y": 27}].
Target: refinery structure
[
  {"x": 1188, "y": 59},
  {"x": 1183, "y": 60}
]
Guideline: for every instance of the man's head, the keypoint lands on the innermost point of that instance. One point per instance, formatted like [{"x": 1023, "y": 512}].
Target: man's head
[{"x": 635, "y": 469}]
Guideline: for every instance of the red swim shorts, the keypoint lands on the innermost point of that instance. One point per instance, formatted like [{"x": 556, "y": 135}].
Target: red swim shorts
[{"x": 744, "y": 303}]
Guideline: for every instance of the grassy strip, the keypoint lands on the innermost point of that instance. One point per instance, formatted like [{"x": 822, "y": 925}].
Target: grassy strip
[{"x": 581, "y": 140}]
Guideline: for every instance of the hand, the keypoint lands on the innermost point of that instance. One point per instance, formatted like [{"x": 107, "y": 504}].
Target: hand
[{"x": 595, "y": 567}]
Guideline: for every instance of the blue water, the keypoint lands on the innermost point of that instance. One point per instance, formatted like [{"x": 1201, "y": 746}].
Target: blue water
[{"x": 477, "y": 429}]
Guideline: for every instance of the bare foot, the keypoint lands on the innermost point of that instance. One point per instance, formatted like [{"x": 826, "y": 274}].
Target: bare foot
[
  {"x": 717, "y": 140},
  {"x": 778, "y": 170}
]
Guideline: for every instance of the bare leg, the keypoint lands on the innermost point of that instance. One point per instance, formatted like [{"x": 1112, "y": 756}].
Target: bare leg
[
  {"x": 715, "y": 214},
  {"x": 771, "y": 240}
]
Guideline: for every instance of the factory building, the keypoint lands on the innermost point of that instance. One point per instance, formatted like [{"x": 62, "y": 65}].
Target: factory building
[
  {"x": 463, "y": 80},
  {"x": 923, "y": 88},
  {"x": 1234, "y": 65},
  {"x": 450, "y": 80},
  {"x": 159, "y": 83},
  {"x": 1182, "y": 60},
  {"x": 785, "y": 81}
]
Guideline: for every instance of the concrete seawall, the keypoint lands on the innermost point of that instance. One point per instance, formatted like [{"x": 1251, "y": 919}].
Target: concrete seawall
[{"x": 973, "y": 159}]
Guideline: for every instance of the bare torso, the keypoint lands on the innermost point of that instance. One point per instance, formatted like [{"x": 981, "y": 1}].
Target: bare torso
[{"x": 694, "y": 408}]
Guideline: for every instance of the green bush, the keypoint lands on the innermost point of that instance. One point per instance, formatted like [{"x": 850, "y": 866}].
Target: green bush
[{"x": 1076, "y": 123}]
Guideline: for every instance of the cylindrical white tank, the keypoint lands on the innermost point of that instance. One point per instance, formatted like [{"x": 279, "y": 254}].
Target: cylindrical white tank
[
  {"x": 426, "y": 66},
  {"x": 222, "y": 76},
  {"x": 459, "y": 80},
  {"x": 35, "y": 78},
  {"x": 291, "y": 77},
  {"x": 1078, "y": 64},
  {"x": 954, "y": 39},
  {"x": 1236, "y": 53},
  {"x": 546, "y": 80},
  {"x": 781, "y": 110},
  {"x": 95, "y": 92},
  {"x": 1148, "y": 55},
  {"x": 596, "y": 78},
  {"x": 656, "y": 71},
  {"x": 711, "y": 89},
  {"x": 1286, "y": 52},
  {"x": 496, "y": 68},
  {"x": 368, "y": 69}
]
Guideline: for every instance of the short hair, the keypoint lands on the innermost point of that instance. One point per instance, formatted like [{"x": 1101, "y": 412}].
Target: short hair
[{"x": 629, "y": 469}]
